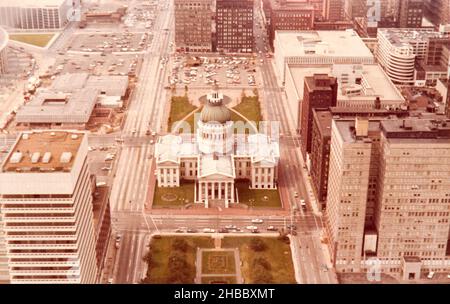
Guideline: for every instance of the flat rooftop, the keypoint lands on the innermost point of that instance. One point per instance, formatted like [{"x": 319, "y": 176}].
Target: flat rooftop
[
  {"x": 414, "y": 129},
  {"x": 70, "y": 82},
  {"x": 322, "y": 43},
  {"x": 323, "y": 120},
  {"x": 402, "y": 36},
  {"x": 375, "y": 82},
  {"x": 32, "y": 148},
  {"x": 347, "y": 130},
  {"x": 51, "y": 107}
]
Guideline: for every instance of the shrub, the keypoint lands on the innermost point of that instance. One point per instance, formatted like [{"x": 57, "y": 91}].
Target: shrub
[
  {"x": 180, "y": 245},
  {"x": 260, "y": 275},
  {"x": 257, "y": 244},
  {"x": 261, "y": 261}
]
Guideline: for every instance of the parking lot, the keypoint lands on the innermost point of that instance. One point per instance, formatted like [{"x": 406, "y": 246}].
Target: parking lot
[
  {"x": 225, "y": 71},
  {"x": 101, "y": 159},
  {"x": 110, "y": 42},
  {"x": 141, "y": 16},
  {"x": 96, "y": 64}
]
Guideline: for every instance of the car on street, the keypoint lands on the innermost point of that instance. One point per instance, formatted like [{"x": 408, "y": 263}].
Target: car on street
[
  {"x": 295, "y": 194},
  {"x": 251, "y": 228},
  {"x": 271, "y": 228},
  {"x": 255, "y": 231},
  {"x": 179, "y": 230},
  {"x": 118, "y": 239},
  {"x": 208, "y": 230},
  {"x": 230, "y": 227},
  {"x": 223, "y": 230},
  {"x": 257, "y": 221},
  {"x": 110, "y": 280},
  {"x": 191, "y": 230},
  {"x": 293, "y": 227},
  {"x": 303, "y": 204}
]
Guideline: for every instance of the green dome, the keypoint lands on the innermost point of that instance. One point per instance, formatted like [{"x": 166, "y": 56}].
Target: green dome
[{"x": 215, "y": 111}]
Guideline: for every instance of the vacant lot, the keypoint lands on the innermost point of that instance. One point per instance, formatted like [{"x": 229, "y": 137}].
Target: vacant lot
[{"x": 40, "y": 40}]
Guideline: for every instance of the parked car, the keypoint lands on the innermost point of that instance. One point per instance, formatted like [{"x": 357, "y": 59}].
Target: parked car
[
  {"x": 118, "y": 239},
  {"x": 430, "y": 275},
  {"x": 271, "y": 228},
  {"x": 257, "y": 221}
]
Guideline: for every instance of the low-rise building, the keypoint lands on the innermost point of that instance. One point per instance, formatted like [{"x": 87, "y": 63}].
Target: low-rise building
[{"x": 317, "y": 48}]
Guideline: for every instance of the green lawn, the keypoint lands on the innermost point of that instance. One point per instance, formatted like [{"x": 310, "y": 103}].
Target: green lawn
[
  {"x": 181, "y": 194},
  {"x": 250, "y": 108},
  {"x": 277, "y": 253},
  {"x": 219, "y": 280},
  {"x": 179, "y": 108},
  {"x": 258, "y": 196},
  {"x": 161, "y": 249},
  {"x": 218, "y": 262},
  {"x": 40, "y": 40}
]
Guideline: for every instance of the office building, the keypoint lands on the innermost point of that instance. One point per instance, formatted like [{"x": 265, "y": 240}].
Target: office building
[
  {"x": 360, "y": 86},
  {"x": 404, "y": 164},
  {"x": 34, "y": 15},
  {"x": 334, "y": 10},
  {"x": 234, "y": 26},
  {"x": 410, "y": 13},
  {"x": 320, "y": 92},
  {"x": 318, "y": 48},
  {"x": 47, "y": 210},
  {"x": 289, "y": 16},
  {"x": 193, "y": 25},
  {"x": 438, "y": 11},
  {"x": 400, "y": 49},
  {"x": 3, "y": 50}
]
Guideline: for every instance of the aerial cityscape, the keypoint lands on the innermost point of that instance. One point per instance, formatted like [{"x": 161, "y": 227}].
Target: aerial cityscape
[{"x": 224, "y": 142}]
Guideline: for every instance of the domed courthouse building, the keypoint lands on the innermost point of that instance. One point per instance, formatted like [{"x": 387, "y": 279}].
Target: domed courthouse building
[{"x": 214, "y": 157}]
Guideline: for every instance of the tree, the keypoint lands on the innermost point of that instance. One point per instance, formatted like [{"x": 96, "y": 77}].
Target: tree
[
  {"x": 260, "y": 275},
  {"x": 261, "y": 261},
  {"x": 180, "y": 245},
  {"x": 179, "y": 270},
  {"x": 257, "y": 244}
]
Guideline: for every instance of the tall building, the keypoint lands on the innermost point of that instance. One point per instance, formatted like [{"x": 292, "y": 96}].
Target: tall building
[
  {"x": 289, "y": 16},
  {"x": 321, "y": 145},
  {"x": 320, "y": 92},
  {"x": 234, "y": 26},
  {"x": 193, "y": 25},
  {"x": 408, "y": 161},
  {"x": 410, "y": 13},
  {"x": 334, "y": 10},
  {"x": 438, "y": 11},
  {"x": 47, "y": 209},
  {"x": 320, "y": 152},
  {"x": 32, "y": 14},
  {"x": 400, "y": 49},
  {"x": 3, "y": 45}
]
